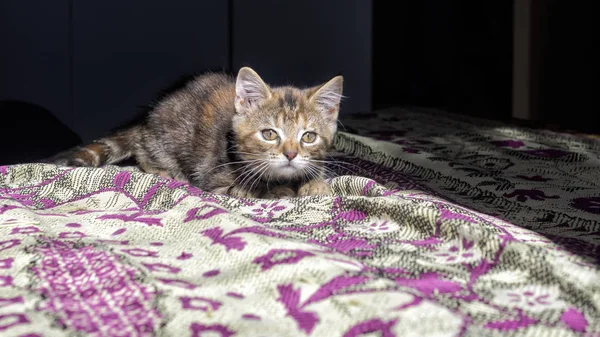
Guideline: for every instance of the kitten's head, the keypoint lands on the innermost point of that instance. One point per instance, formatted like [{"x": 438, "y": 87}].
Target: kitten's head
[{"x": 284, "y": 132}]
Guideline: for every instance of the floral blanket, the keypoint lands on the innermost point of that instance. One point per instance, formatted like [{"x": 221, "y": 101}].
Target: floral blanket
[{"x": 440, "y": 226}]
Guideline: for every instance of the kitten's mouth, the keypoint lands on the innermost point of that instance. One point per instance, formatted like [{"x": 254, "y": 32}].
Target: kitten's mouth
[{"x": 286, "y": 170}]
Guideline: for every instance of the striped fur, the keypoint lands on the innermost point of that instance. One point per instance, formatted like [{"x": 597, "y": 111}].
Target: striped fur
[{"x": 210, "y": 133}]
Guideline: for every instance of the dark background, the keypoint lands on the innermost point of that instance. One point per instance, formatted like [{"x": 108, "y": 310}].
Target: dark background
[
  {"x": 85, "y": 67},
  {"x": 452, "y": 55}
]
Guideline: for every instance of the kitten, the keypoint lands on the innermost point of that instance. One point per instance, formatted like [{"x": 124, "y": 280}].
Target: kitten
[{"x": 234, "y": 136}]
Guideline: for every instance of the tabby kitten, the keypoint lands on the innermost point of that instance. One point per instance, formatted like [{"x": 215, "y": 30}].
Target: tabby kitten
[{"x": 230, "y": 136}]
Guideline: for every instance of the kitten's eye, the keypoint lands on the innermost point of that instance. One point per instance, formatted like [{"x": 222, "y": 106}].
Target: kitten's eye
[
  {"x": 309, "y": 137},
  {"x": 269, "y": 134}
]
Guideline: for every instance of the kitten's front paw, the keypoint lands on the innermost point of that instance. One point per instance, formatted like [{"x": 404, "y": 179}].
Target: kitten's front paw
[
  {"x": 240, "y": 193},
  {"x": 165, "y": 174},
  {"x": 315, "y": 187},
  {"x": 280, "y": 192},
  {"x": 71, "y": 158},
  {"x": 74, "y": 162}
]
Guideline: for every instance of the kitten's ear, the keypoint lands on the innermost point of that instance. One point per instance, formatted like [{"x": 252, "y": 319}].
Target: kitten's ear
[
  {"x": 250, "y": 90},
  {"x": 327, "y": 98}
]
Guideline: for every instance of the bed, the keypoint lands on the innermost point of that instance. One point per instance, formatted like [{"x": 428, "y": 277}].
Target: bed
[{"x": 441, "y": 226}]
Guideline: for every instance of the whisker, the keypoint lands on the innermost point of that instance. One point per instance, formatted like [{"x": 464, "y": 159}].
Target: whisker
[
  {"x": 245, "y": 174},
  {"x": 335, "y": 162},
  {"x": 246, "y": 153},
  {"x": 324, "y": 170},
  {"x": 256, "y": 177},
  {"x": 312, "y": 172},
  {"x": 262, "y": 172},
  {"x": 255, "y": 171},
  {"x": 343, "y": 169},
  {"x": 329, "y": 173},
  {"x": 247, "y": 170},
  {"x": 233, "y": 163},
  {"x": 340, "y": 165}
]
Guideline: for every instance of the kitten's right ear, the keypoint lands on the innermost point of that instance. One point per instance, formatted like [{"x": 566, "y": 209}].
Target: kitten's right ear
[
  {"x": 327, "y": 98},
  {"x": 250, "y": 90}
]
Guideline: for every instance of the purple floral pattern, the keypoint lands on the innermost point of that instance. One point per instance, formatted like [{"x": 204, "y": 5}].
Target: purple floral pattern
[
  {"x": 265, "y": 211},
  {"x": 450, "y": 253},
  {"x": 280, "y": 256},
  {"x": 89, "y": 291},
  {"x": 372, "y": 326},
  {"x": 446, "y": 227},
  {"x": 534, "y": 298}
]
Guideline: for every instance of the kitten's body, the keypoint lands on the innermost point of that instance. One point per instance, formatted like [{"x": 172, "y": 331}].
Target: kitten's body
[{"x": 211, "y": 132}]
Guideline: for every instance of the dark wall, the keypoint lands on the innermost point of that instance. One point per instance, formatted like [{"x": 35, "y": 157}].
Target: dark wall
[
  {"x": 126, "y": 51},
  {"x": 34, "y": 57},
  {"x": 453, "y": 55},
  {"x": 569, "y": 64},
  {"x": 94, "y": 63},
  {"x": 306, "y": 42}
]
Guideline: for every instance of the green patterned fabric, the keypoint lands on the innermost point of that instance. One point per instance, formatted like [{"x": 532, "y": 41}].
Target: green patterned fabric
[{"x": 440, "y": 226}]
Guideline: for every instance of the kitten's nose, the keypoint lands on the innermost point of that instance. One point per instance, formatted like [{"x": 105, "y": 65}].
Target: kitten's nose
[{"x": 290, "y": 155}]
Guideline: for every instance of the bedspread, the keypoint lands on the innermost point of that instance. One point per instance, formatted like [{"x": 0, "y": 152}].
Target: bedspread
[{"x": 440, "y": 226}]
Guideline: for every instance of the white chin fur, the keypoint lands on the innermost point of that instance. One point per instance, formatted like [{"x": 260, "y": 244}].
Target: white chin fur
[{"x": 285, "y": 169}]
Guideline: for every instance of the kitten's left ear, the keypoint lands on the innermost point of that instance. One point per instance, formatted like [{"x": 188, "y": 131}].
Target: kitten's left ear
[
  {"x": 328, "y": 97},
  {"x": 250, "y": 90}
]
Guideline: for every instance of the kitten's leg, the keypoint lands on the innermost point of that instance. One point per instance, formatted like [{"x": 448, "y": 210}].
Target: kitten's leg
[
  {"x": 149, "y": 168},
  {"x": 224, "y": 183},
  {"x": 105, "y": 151},
  {"x": 315, "y": 187},
  {"x": 280, "y": 192},
  {"x": 234, "y": 191}
]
